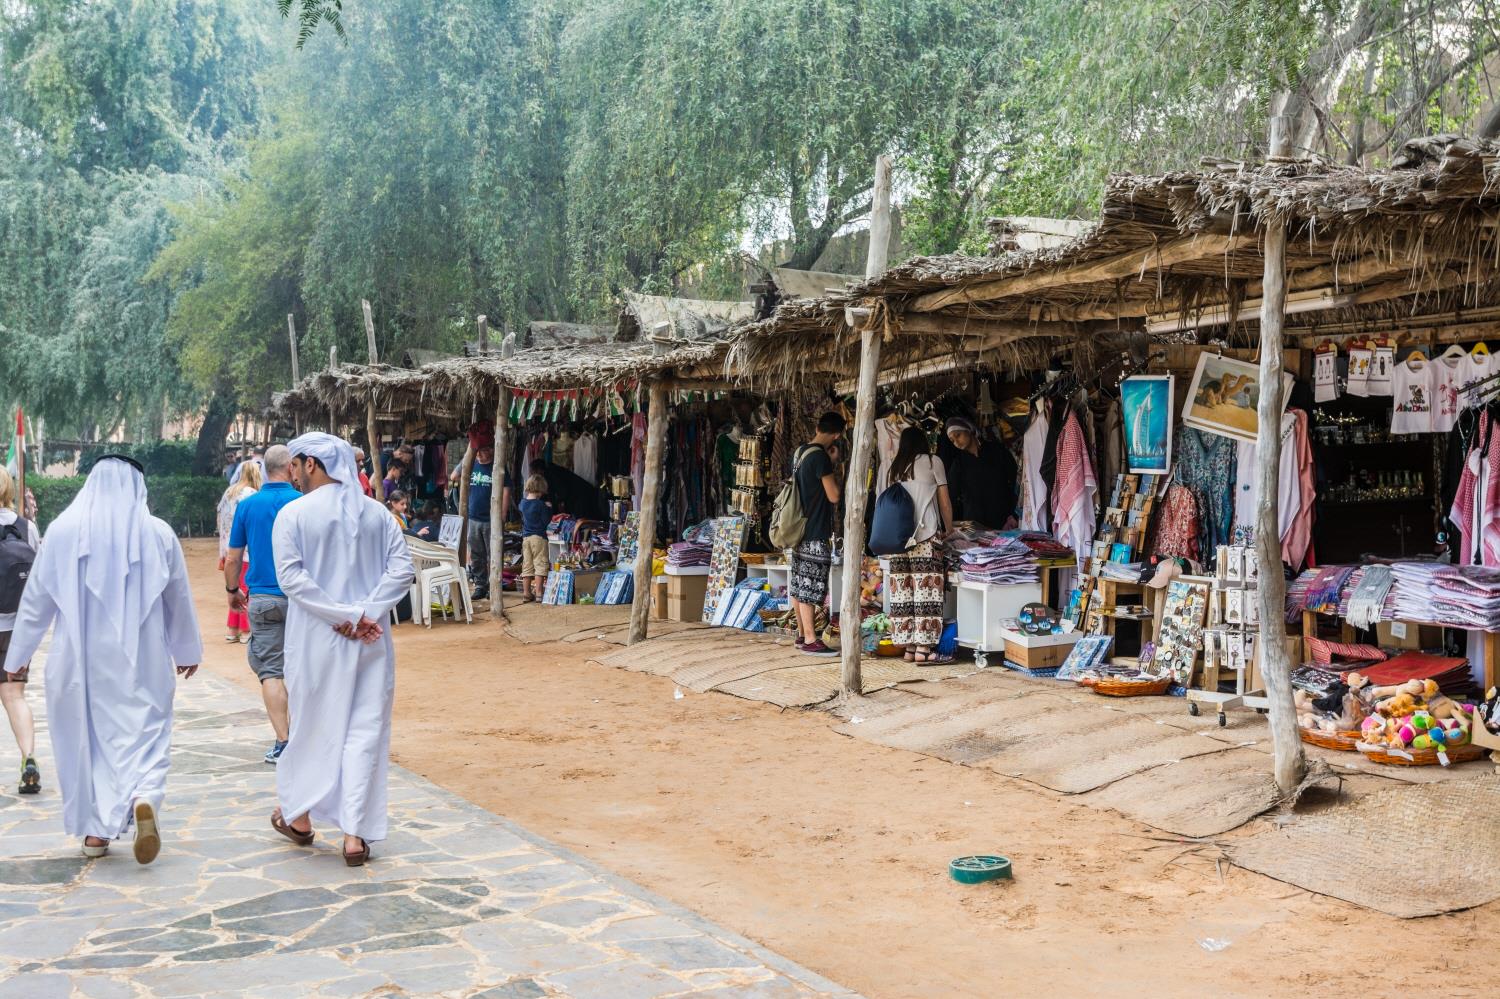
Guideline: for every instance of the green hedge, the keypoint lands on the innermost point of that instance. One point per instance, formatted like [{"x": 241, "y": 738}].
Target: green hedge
[{"x": 187, "y": 502}]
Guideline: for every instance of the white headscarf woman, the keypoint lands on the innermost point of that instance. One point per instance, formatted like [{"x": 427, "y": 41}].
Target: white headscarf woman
[{"x": 113, "y": 579}]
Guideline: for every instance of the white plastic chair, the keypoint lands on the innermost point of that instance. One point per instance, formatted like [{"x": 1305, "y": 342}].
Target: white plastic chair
[
  {"x": 449, "y": 529},
  {"x": 437, "y": 575}
]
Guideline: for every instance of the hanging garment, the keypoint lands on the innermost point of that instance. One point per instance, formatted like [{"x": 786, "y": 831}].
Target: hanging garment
[
  {"x": 1359, "y": 370},
  {"x": 1297, "y": 538},
  {"x": 887, "y": 440},
  {"x": 1074, "y": 501},
  {"x": 1480, "y": 366},
  {"x": 1205, "y": 463},
  {"x": 1382, "y": 363},
  {"x": 1412, "y": 384},
  {"x": 1476, "y": 504},
  {"x": 586, "y": 457},
  {"x": 1325, "y": 376},
  {"x": 1033, "y": 488},
  {"x": 1177, "y": 528},
  {"x": 1288, "y": 484},
  {"x": 638, "y": 455},
  {"x": 562, "y": 450},
  {"x": 1451, "y": 372}
]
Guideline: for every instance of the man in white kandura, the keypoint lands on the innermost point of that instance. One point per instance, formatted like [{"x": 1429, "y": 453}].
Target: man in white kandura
[
  {"x": 113, "y": 578},
  {"x": 343, "y": 564}
]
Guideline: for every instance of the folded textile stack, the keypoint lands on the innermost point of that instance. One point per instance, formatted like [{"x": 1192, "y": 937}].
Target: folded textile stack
[
  {"x": 1466, "y": 596},
  {"x": 689, "y": 554},
  {"x": 1007, "y": 562}
]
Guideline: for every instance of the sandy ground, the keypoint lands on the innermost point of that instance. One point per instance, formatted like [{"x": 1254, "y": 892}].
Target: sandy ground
[{"x": 834, "y": 852}]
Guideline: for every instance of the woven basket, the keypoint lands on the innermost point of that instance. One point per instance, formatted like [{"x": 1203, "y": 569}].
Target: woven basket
[
  {"x": 1111, "y": 687},
  {"x": 1344, "y": 742},
  {"x": 1423, "y": 757},
  {"x": 890, "y": 650}
]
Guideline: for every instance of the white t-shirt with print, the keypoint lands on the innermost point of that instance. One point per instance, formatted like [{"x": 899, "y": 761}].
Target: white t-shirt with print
[
  {"x": 1413, "y": 388},
  {"x": 1450, "y": 374}
]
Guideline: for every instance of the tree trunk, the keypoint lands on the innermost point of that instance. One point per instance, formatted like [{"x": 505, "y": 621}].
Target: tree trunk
[
  {"x": 1290, "y": 764},
  {"x": 208, "y": 456}
]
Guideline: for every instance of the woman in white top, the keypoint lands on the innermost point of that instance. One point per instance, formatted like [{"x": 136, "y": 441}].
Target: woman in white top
[
  {"x": 248, "y": 482},
  {"x": 13, "y": 685},
  {"x": 915, "y": 579}
]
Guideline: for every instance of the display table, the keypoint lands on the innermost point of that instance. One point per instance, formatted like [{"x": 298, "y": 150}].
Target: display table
[{"x": 1490, "y": 665}]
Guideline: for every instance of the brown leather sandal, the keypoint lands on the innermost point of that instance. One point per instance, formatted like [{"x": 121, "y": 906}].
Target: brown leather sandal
[
  {"x": 357, "y": 859},
  {"x": 283, "y": 827}
]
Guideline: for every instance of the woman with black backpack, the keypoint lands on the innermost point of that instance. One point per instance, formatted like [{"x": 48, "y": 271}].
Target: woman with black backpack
[
  {"x": 915, "y": 578},
  {"x": 18, "y": 545}
]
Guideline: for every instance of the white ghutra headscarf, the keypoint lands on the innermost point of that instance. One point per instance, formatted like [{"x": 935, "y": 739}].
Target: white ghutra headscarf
[
  {"x": 337, "y": 457},
  {"x": 105, "y": 541}
]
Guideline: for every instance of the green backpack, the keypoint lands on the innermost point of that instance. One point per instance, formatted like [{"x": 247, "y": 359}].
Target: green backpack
[{"x": 788, "y": 522}]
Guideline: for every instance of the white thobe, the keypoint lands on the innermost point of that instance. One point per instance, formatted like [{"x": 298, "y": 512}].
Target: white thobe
[
  {"x": 339, "y": 690},
  {"x": 110, "y": 719}
]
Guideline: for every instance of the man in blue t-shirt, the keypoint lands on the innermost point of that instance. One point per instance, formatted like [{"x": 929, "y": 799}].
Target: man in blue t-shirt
[
  {"x": 251, "y": 533},
  {"x": 481, "y": 491}
]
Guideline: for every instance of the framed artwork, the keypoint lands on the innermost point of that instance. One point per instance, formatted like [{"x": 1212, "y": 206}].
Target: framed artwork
[
  {"x": 1181, "y": 636},
  {"x": 1223, "y": 395},
  {"x": 1146, "y": 411},
  {"x": 723, "y": 564}
]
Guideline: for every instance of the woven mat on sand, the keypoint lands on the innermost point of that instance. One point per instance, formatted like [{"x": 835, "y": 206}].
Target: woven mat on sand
[
  {"x": 534, "y": 623},
  {"x": 758, "y": 668},
  {"x": 1038, "y": 733},
  {"x": 1201, "y": 796},
  {"x": 1343, "y": 850},
  {"x": 813, "y": 683}
]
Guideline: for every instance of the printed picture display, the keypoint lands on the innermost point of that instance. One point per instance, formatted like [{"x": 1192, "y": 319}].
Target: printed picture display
[
  {"x": 1223, "y": 396},
  {"x": 1146, "y": 411}
]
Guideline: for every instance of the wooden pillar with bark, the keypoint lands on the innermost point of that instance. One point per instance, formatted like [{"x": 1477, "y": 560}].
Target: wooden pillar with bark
[
  {"x": 291, "y": 334},
  {"x": 333, "y": 427},
  {"x": 499, "y": 461},
  {"x": 857, "y": 487},
  {"x": 370, "y": 428},
  {"x": 1290, "y": 764},
  {"x": 656, "y": 444}
]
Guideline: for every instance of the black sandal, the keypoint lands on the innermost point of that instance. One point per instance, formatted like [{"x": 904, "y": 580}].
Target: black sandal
[
  {"x": 357, "y": 859},
  {"x": 31, "y": 778},
  {"x": 296, "y": 836}
]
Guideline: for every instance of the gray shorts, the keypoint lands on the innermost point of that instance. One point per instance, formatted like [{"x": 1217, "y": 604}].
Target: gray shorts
[{"x": 267, "y": 648}]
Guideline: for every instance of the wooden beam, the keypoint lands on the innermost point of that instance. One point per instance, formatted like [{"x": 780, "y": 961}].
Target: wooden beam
[
  {"x": 333, "y": 365},
  {"x": 857, "y": 486},
  {"x": 465, "y": 470},
  {"x": 1316, "y": 300},
  {"x": 1121, "y": 266},
  {"x": 1275, "y": 666},
  {"x": 656, "y": 445},
  {"x": 483, "y": 324},
  {"x": 957, "y": 326},
  {"x": 291, "y": 334}
]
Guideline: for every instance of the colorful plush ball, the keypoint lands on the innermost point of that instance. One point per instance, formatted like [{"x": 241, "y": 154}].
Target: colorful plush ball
[
  {"x": 1407, "y": 732},
  {"x": 1438, "y": 735},
  {"x": 1421, "y": 721},
  {"x": 1458, "y": 737},
  {"x": 1423, "y": 741}
]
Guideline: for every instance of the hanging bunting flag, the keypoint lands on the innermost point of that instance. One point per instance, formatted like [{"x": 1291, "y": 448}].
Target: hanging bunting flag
[
  {"x": 531, "y": 408},
  {"x": 574, "y": 415}
]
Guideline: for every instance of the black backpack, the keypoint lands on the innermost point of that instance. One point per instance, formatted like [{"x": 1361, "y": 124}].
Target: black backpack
[
  {"x": 895, "y": 521},
  {"x": 16, "y": 557}
]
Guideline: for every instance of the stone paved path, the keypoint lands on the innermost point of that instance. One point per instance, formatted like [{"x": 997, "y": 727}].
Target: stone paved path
[{"x": 458, "y": 902}]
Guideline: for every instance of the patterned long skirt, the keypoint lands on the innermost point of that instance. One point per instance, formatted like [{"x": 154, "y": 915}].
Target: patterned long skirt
[{"x": 916, "y": 587}]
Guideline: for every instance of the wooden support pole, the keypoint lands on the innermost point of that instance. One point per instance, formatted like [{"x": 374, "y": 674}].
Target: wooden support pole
[
  {"x": 483, "y": 324},
  {"x": 498, "y": 465},
  {"x": 499, "y": 462},
  {"x": 656, "y": 445},
  {"x": 465, "y": 470},
  {"x": 857, "y": 487},
  {"x": 1290, "y": 765},
  {"x": 333, "y": 427},
  {"x": 291, "y": 335},
  {"x": 370, "y": 429}
]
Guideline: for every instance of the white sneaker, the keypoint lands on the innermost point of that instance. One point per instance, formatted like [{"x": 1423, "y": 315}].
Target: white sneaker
[
  {"x": 147, "y": 838},
  {"x": 94, "y": 852}
]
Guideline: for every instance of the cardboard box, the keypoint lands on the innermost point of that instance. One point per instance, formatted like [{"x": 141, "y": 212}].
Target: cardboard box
[
  {"x": 659, "y": 598},
  {"x": 1038, "y": 651},
  {"x": 685, "y": 597},
  {"x": 1405, "y": 635}
]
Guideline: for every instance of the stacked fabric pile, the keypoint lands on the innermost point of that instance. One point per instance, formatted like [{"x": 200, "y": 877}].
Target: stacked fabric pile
[
  {"x": 696, "y": 548},
  {"x": 1456, "y": 596},
  {"x": 1320, "y": 590},
  {"x": 1007, "y": 562}
]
